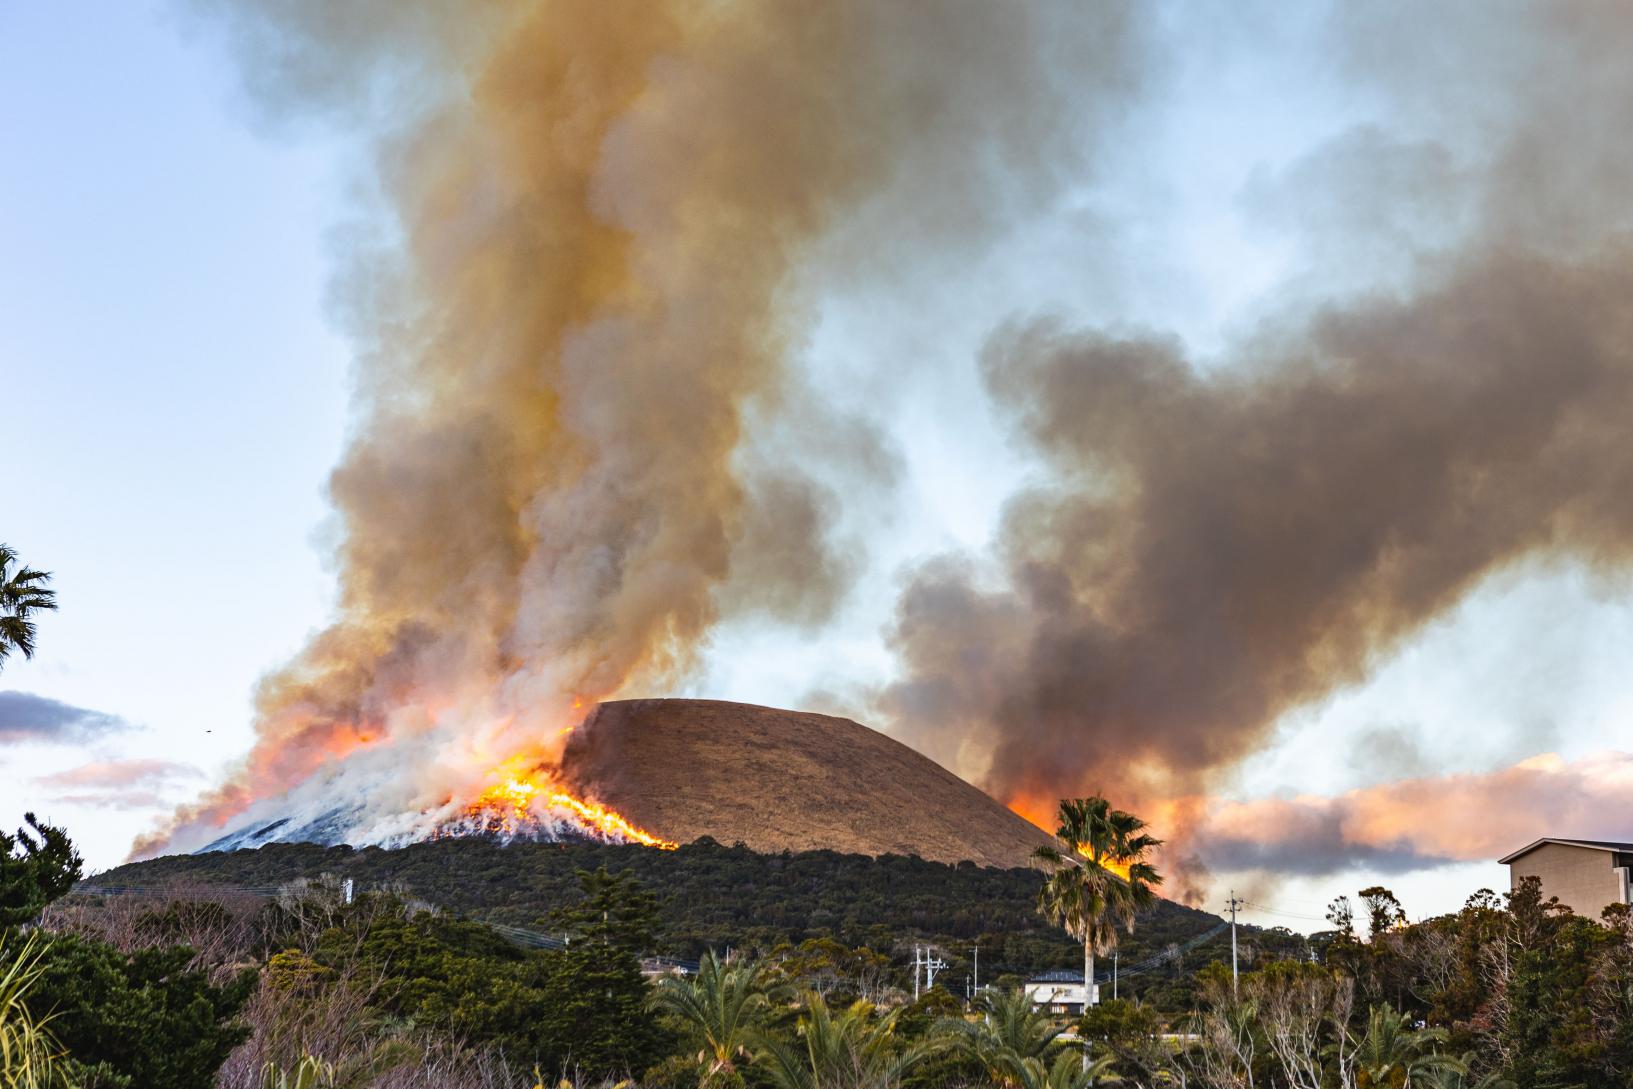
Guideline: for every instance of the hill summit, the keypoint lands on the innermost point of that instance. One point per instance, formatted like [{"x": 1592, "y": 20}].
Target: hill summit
[{"x": 778, "y": 780}]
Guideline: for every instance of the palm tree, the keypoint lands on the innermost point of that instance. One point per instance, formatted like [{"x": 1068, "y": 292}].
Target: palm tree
[
  {"x": 1100, "y": 881},
  {"x": 22, "y": 593},
  {"x": 852, "y": 1049},
  {"x": 723, "y": 1009}
]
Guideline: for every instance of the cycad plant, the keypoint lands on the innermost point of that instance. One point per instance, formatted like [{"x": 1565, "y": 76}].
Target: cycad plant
[
  {"x": 722, "y": 1009},
  {"x": 1391, "y": 1054},
  {"x": 1065, "y": 1072},
  {"x": 1009, "y": 1029},
  {"x": 1460, "y": 1077},
  {"x": 855, "y": 1048},
  {"x": 28, "y": 1054}
]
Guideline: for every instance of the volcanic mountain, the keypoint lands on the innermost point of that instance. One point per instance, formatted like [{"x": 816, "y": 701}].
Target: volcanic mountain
[
  {"x": 778, "y": 780},
  {"x": 678, "y": 770}
]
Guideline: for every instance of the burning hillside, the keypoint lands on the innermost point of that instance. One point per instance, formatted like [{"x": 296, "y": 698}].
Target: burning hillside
[
  {"x": 586, "y": 436},
  {"x": 663, "y": 772}
]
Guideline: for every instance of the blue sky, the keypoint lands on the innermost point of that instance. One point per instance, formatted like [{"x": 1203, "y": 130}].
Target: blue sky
[
  {"x": 164, "y": 260},
  {"x": 161, "y": 314}
]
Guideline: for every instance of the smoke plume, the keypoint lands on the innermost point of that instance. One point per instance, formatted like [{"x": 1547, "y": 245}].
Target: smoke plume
[
  {"x": 1210, "y": 544},
  {"x": 583, "y": 285}
]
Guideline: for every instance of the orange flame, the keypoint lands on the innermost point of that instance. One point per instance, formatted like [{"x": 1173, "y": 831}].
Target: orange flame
[
  {"x": 1110, "y": 865},
  {"x": 509, "y": 807}
]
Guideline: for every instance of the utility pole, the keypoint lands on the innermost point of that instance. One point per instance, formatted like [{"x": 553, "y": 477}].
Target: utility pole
[
  {"x": 1234, "y": 904},
  {"x": 1114, "y": 975},
  {"x": 916, "y": 963},
  {"x": 932, "y": 965},
  {"x": 977, "y": 967}
]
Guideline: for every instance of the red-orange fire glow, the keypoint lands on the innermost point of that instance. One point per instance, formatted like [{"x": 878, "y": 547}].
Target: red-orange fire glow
[{"x": 511, "y": 806}]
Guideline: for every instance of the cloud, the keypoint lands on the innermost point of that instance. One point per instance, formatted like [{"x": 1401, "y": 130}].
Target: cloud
[
  {"x": 119, "y": 784},
  {"x": 27, "y": 717},
  {"x": 1417, "y": 823}
]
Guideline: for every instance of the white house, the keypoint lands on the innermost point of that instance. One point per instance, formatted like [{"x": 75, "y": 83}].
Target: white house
[{"x": 1059, "y": 991}]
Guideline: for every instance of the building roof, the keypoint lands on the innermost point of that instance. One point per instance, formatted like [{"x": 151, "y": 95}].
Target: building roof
[
  {"x": 1059, "y": 975},
  {"x": 1619, "y": 846}
]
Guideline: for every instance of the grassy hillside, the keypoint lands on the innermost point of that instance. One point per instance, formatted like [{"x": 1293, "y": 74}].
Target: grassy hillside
[{"x": 712, "y": 896}]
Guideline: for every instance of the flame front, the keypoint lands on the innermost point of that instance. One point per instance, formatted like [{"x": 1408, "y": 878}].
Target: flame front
[{"x": 511, "y": 808}]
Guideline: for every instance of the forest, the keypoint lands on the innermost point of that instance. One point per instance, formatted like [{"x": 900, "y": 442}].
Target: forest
[{"x": 711, "y": 896}]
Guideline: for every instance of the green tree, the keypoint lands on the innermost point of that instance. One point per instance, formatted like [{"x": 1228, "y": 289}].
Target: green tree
[
  {"x": 600, "y": 1012},
  {"x": 1384, "y": 911},
  {"x": 721, "y": 1010},
  {"x": 23, "y": 593},
  {"x": 37, "y": 865},
  {"x": 143, "y": 1019},
  {"x": 146, "y": 1016},
  {"x": 1102, "y": 879},
  {"x": 1132, "y": 1034},
  {"x": 447, "y": 973}
]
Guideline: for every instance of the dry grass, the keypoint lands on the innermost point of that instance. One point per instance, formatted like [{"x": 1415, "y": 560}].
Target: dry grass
[{"x": 786, "y": 780}]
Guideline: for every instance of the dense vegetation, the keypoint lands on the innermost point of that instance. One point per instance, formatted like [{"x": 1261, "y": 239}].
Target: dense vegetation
[
  {"x": 212, "y": 987},
  {"x": 714, "y": 897}
]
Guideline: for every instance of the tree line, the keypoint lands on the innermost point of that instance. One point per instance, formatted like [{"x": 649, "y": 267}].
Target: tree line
[{"x": 207, "y": 987}]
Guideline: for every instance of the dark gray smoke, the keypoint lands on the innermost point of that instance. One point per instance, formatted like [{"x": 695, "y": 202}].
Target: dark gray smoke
[{"x": 1212, "y": 546}]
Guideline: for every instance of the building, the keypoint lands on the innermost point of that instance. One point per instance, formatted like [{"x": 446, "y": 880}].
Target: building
[
  {"x": 1059, "y": 991},
  {"x": 1585, "y": 874}
]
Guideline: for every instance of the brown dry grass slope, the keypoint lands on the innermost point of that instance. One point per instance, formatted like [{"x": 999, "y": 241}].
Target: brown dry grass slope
[{"x": 785, "y": 780}]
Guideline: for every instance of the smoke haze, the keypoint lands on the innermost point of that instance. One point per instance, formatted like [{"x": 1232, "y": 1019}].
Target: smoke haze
[
  {"x": 1210, "y": 544},
  {"x": 596, "y": 244},
  {"x": 583, "y": 289}
]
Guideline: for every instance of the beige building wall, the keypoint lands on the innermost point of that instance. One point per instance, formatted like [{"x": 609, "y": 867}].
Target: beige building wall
[{"x": 1584, "y": 879}]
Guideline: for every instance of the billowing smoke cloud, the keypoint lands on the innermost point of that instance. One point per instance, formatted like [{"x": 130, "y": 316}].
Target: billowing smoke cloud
[
  {"x": 1214, "y": 549},
  {"x": 586, "y": 285},
  {"x": 1417, "y": 822},
  {"x": 1211, "y": 544}
]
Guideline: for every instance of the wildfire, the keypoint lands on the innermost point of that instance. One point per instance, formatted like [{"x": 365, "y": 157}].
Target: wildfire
[
  {"x": 1110, "y": 865},
  {"x": 512, "y": 806}
]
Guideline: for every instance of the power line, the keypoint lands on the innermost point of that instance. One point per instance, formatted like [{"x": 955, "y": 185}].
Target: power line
[{"x": 1281, "y": 911}]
